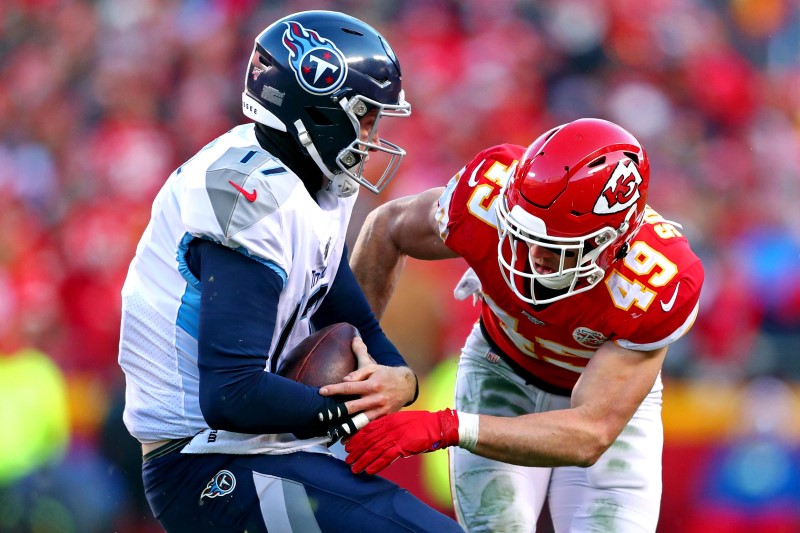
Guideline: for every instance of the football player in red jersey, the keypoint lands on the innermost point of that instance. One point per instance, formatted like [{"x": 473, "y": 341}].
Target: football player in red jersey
[{"x": 583, "y": 287}]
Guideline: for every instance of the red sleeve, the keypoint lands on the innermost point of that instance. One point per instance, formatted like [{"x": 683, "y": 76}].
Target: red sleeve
[
  {"x": 466, "y": 208},
  {"x": 674, "y": 309}
]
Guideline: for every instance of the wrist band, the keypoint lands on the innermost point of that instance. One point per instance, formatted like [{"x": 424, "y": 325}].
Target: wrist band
[{"x": 468, "y": 431}]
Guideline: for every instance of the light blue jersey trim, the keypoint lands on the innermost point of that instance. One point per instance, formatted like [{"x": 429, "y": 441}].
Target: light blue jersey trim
[
  {"x": 183, "y": 268},
  {"x": 189, "y": 310}
]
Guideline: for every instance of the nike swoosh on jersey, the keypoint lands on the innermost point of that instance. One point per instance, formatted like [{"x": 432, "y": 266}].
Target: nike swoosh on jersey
[
  {"x": 667, "y": 306},
  {"x": 251, "y": 196}
]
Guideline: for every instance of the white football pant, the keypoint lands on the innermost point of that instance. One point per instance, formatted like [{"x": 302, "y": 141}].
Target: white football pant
[{"x": 621, "y": 493}]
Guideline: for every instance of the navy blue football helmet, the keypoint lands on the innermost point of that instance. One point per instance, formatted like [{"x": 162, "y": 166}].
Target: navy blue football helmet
[{"x": 314, "y": 74}]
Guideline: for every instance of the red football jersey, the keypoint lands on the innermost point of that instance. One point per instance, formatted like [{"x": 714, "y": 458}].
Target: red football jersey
[{"x": 647, "y": 300}]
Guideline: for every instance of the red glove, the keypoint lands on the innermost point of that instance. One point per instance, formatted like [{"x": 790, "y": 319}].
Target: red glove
[{"x": 400, "y": 434}]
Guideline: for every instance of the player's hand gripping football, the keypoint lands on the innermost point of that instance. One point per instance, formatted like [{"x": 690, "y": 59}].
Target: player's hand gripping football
[
  {"x": 380, "y": 389},
  {"x": 335, "y": 421},
  {"x": 401, "y": 434}
]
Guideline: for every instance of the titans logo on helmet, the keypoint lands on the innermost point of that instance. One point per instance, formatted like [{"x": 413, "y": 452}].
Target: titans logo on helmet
[
  {"x": 223, "y": 483},
  {"x": 319, "y": 66}
]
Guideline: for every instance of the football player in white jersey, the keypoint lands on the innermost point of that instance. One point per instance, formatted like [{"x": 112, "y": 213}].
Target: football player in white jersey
[
  {"x": 244, "y": 255},
  {"x": 582, "y": 288}
]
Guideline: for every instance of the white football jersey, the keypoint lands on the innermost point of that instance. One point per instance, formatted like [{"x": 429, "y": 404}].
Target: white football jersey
[{"x": 234, "y": 193}]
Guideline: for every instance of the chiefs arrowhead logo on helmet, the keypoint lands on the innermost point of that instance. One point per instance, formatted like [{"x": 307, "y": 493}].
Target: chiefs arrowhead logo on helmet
[{"x": 621, "y": 190}]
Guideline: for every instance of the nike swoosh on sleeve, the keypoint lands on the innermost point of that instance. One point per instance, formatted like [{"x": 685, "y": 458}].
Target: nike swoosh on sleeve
[
  {"x": 251, "y": 196},
  {"x": 473, "y": 178},
  {"x": 667, "y": 306}
]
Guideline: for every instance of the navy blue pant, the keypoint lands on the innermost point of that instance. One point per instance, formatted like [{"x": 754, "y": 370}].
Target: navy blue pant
[{"x": 299, "y": 492}]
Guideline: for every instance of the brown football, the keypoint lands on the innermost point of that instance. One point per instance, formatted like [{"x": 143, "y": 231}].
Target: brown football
[{"x": 322, "y": 358}]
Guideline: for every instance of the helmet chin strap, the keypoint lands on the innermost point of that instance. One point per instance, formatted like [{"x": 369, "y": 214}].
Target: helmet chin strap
[
  {"x": 559, "y": 282},
  {"x": 340, "y": 184}
]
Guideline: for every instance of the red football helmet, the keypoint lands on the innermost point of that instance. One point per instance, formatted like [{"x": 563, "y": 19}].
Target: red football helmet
[{"x": 579, "y": 191}]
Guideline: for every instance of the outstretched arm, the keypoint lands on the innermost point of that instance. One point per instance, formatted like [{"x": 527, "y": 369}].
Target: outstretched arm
[
  {"x": 397, "y": 229},
  {"x": 613, "y": 385},
  {"x": 608, "y": 393}
]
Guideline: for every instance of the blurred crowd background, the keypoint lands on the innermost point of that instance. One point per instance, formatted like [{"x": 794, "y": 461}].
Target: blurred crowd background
[{"x": 101, "y": 99}]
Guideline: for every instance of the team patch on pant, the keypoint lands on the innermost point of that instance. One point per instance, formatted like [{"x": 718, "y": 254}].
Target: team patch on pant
[{"x": 223, "y": 483}]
